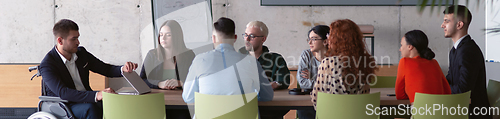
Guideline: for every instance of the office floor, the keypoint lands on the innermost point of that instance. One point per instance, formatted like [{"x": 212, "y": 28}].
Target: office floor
[{"x": 16, "y": 113}]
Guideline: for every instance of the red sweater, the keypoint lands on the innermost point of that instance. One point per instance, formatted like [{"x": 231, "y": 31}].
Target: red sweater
[{"x": 420, "y": 75}]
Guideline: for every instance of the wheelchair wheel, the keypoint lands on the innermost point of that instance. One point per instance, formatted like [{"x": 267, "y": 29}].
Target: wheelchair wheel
[{"x": 42, "y": 115}]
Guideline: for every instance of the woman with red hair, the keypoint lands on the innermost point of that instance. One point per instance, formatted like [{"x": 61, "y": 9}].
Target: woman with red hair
[{"x": 348, "y": 67}]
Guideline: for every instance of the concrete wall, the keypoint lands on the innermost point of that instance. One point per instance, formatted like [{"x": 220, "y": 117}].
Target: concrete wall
[
  {"x": 108, "y": 29},
  {"x": 476, "y": 29},
  {"x": 25, "y": 30},
  {"x": 288, "y": 25},
  {"x": 120, "y": 31}
]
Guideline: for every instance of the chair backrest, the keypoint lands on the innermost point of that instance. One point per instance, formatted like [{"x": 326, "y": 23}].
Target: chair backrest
[
  {"x": 384, "y": 82},
  {"x": 445, "y": 106},
  {"x": 226, "y": 106},
  {"x": 332, "y": 106},
  {"x": 493, "y": 91},
  {"x": 147, "y": 106}
]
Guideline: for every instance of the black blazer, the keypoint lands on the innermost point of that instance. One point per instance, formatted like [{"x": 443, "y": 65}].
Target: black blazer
[
  {"x": 58, "y": 81},
  {"x": 467, "y": 73}
]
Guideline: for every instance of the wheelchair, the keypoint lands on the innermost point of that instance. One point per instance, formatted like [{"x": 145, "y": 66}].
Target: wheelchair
[{"x": 50, "y": 107}]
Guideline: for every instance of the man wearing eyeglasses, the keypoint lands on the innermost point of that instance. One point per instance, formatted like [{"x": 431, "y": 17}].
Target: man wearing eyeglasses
[{"x": 274, "y": 65}]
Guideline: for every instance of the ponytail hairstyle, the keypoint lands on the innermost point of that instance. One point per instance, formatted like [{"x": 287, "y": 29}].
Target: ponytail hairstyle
[
  {"x": 419, "y": 40},
  {"x": 321, "y": 30}
]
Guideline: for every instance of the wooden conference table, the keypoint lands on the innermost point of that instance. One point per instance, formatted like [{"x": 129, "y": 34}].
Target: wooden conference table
[{"x": 281, "y": 101}]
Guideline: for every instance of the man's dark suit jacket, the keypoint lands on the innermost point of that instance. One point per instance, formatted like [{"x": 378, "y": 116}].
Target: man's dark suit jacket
[
  {"x": 467, "y": 73},
  {"x": 58, "y": 81}
]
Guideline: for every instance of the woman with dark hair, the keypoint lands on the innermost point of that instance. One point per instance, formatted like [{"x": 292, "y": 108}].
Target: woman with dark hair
[
  {"x": 309, "y": 62},
  {"x": 310, "y": 58},
  {"x": 166, "y": 67},
  {"x": 417, "y": 70},
  {"x": 348, "y": 67}
]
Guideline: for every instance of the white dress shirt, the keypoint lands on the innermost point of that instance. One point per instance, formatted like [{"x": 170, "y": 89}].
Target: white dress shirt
[
  {"x": 73, "y": 71},
  {"x": 459, "y": 40}
]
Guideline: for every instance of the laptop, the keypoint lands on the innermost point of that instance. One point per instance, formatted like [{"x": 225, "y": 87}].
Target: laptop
[{"x": 138, "y": 85}]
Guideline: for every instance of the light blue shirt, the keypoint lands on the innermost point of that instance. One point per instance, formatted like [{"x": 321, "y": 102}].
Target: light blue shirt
[{"x": 223, "y": 71}]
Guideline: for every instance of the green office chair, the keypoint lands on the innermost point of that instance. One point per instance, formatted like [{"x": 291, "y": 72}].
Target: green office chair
[
  {"x": 493, "y": 91},
  {"x": 449, "y": 101},
  {"x": 333, "y": 106},
  {"x": 147, "y": 106},
  {"x": 385, "y": 82},
  {"x": 226, "y": 106}
]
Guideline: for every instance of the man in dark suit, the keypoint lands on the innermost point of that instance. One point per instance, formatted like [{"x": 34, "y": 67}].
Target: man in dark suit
[
  {"x": 65, "y": 72},
  {"x": 467, "y": 71}
]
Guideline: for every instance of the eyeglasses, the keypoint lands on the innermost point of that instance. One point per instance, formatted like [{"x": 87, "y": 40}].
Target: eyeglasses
[
  {"x": 313, "y": 39},
  {"x": 251, "y": 35}
]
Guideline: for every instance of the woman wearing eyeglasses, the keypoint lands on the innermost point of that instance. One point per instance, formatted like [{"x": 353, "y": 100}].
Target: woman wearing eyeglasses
[{"x": 309, "y": 62}]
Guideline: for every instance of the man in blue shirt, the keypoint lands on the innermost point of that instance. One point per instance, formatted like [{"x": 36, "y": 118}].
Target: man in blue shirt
[{"x": 223, "y": 71}]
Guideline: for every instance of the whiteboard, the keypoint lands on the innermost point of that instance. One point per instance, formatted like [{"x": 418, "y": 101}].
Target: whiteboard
[
  {"x": 195, "y": 18},
  {"x": 492, "y": 39}
]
